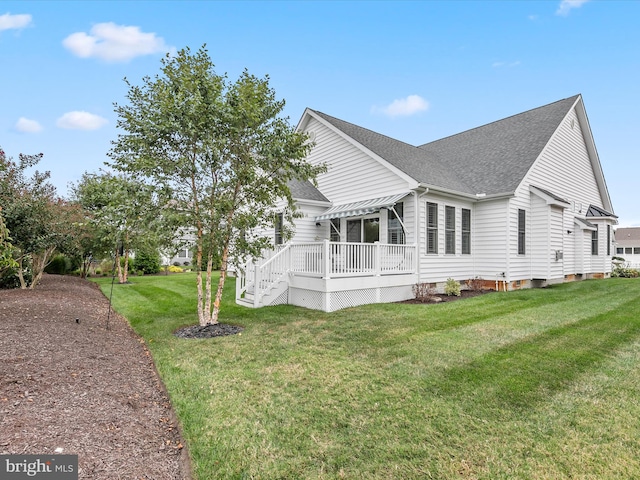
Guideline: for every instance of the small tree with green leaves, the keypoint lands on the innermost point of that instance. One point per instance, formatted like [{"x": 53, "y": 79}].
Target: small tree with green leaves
[
  {"x": 122, "y": 211},
  {"x": 33, "y": 214},
  {"x": 223, "y": 151}
]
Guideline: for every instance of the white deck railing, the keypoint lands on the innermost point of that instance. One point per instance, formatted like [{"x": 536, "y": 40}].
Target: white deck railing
[{"x": 325, "y": 260}]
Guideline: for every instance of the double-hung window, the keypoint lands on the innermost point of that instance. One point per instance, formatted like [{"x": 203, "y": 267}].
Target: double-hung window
[
  {"x": 334, "y": 234},
  {"x": 466, "y": 231},
  {"x": 432, "y": 227},
  {"x": 522, "y": 231},
  {"x": 279, "y": 221},
  {"x": 395, "y": 232},
  {"x": 449, "y": 230},
  {"x": 594, "y": 241}
]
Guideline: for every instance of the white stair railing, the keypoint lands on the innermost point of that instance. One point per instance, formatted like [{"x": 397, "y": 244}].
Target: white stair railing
[{"x": 270, "y": 272}]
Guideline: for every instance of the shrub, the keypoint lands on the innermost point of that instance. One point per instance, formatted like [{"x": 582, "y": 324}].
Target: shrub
[
  {"x": 624, "y": 272},
  {"x": 452, "y": 287},
  {"x": 175, "y": 269},
  {"x": 423, "y": 292},
  {"x": 10, "y": 278},
  {"x": 147, "y": 261},
  {"x": 59, "y": 265}
]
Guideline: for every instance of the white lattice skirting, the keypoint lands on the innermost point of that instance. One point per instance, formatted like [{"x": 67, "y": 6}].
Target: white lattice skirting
[{"x": 332, "y": 301}]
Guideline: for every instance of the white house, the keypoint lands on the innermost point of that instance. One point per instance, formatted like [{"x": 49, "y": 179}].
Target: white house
[
  {"x": 520, "y": 202},
  {"x": 628, "y": 245}
]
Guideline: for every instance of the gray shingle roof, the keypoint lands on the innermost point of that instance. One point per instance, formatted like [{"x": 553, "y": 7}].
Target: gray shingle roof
[
  {"x": 491, "y": 159},
  {"x": 304, "y": 190},
  {"x": 628, "y": 237}
]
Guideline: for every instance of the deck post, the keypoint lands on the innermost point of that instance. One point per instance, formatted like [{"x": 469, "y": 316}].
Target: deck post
[
  {"x": 239, "y": 278},
  {"x": 256, "y": 285},
  {"x": 377, "y": 259},
  {"x": 326, "y": 259}
]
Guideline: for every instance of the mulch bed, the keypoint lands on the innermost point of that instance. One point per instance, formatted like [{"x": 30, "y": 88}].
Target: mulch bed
[
  {"x": 66, "y": 381},
  {"x": 439, "y": 298},
  {"x": 208, "y": 331}
]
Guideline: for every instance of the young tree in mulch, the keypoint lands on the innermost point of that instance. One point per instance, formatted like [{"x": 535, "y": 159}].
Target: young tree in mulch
[
  {"x": 224, "y": 152},
  {"x": 122, "y": 210}
]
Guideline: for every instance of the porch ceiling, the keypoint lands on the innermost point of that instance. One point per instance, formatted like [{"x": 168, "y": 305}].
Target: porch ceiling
[{"x": 363, "y": 207}]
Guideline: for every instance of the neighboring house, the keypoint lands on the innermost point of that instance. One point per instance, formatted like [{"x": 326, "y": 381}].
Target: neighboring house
[
  {"x": 520, "y": 202},
  {"x": 182, "y": 258},
  {"x": 628, "y": 245}
]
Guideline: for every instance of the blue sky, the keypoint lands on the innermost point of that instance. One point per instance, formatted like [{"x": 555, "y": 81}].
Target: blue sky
[{"x": 416, "y": 71}]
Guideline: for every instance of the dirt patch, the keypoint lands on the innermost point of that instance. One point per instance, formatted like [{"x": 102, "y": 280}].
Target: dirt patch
[{"x": 66, "y": 381}]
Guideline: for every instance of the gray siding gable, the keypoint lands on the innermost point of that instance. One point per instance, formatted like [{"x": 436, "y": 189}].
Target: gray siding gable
[{"x": 492, "y": 159}]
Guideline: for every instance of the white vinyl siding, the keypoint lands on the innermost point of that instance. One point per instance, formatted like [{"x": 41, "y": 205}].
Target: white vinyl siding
[
  {"x": 540, "y": 239},
  {"x": 437, "y": 267},
  {"x": 556, "y": 244},
  {"x": 352, "y": 174},
  {"x": 564, "y": 167},
  {"x": 490, "y": 238},
  {"x": 306, "y": 229}
]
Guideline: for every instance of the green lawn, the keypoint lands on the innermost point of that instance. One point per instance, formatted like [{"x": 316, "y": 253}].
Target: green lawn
[{"x": 530, "y": 384}]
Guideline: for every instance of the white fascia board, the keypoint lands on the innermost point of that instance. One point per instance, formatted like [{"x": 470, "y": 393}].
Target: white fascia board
[
  {"x": 412, "y": 182},
  {"x": 583, "y": 120}
]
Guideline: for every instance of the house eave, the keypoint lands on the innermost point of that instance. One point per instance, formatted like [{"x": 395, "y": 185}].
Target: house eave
[{"x": 478, "y": 197}]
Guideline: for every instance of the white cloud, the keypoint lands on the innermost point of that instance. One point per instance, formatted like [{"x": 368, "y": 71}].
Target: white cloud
[
  {"x": 403, "y": 106},
  {"x": 114, "y": 43},
  {"x": 14, "y": 22},
  {"x": 505, "y": 64},
  {"x": 28, "y": 126},
  {"x": 81, "y": 121},
  {"x": 567, "y": 5}
]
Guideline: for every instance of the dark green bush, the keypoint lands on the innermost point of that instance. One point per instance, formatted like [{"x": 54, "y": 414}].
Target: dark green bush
[
  {"x": 146, "y": 261},
  {"x": 59, "y": 265}
]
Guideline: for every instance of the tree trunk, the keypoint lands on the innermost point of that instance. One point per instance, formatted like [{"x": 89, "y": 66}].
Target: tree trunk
[
  {"x": 39, "y": 262},
  {"x": 125, "y": 274},
  {"x": 23, "y": 284},
  {"x": 118, "y": 266},
  {"x": 202, "y": 316},
  {"x": 223, "y": 276}
]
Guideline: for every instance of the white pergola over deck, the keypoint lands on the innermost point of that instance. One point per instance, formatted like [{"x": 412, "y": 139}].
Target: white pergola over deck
[{"x": 329, "y": 275}]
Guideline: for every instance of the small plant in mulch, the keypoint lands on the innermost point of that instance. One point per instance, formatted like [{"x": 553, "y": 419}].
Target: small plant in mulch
[
  {"x": 423, "y": 292},
  {"x": 452, "y": 287},
  {"x": 208, "y": 331}
]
